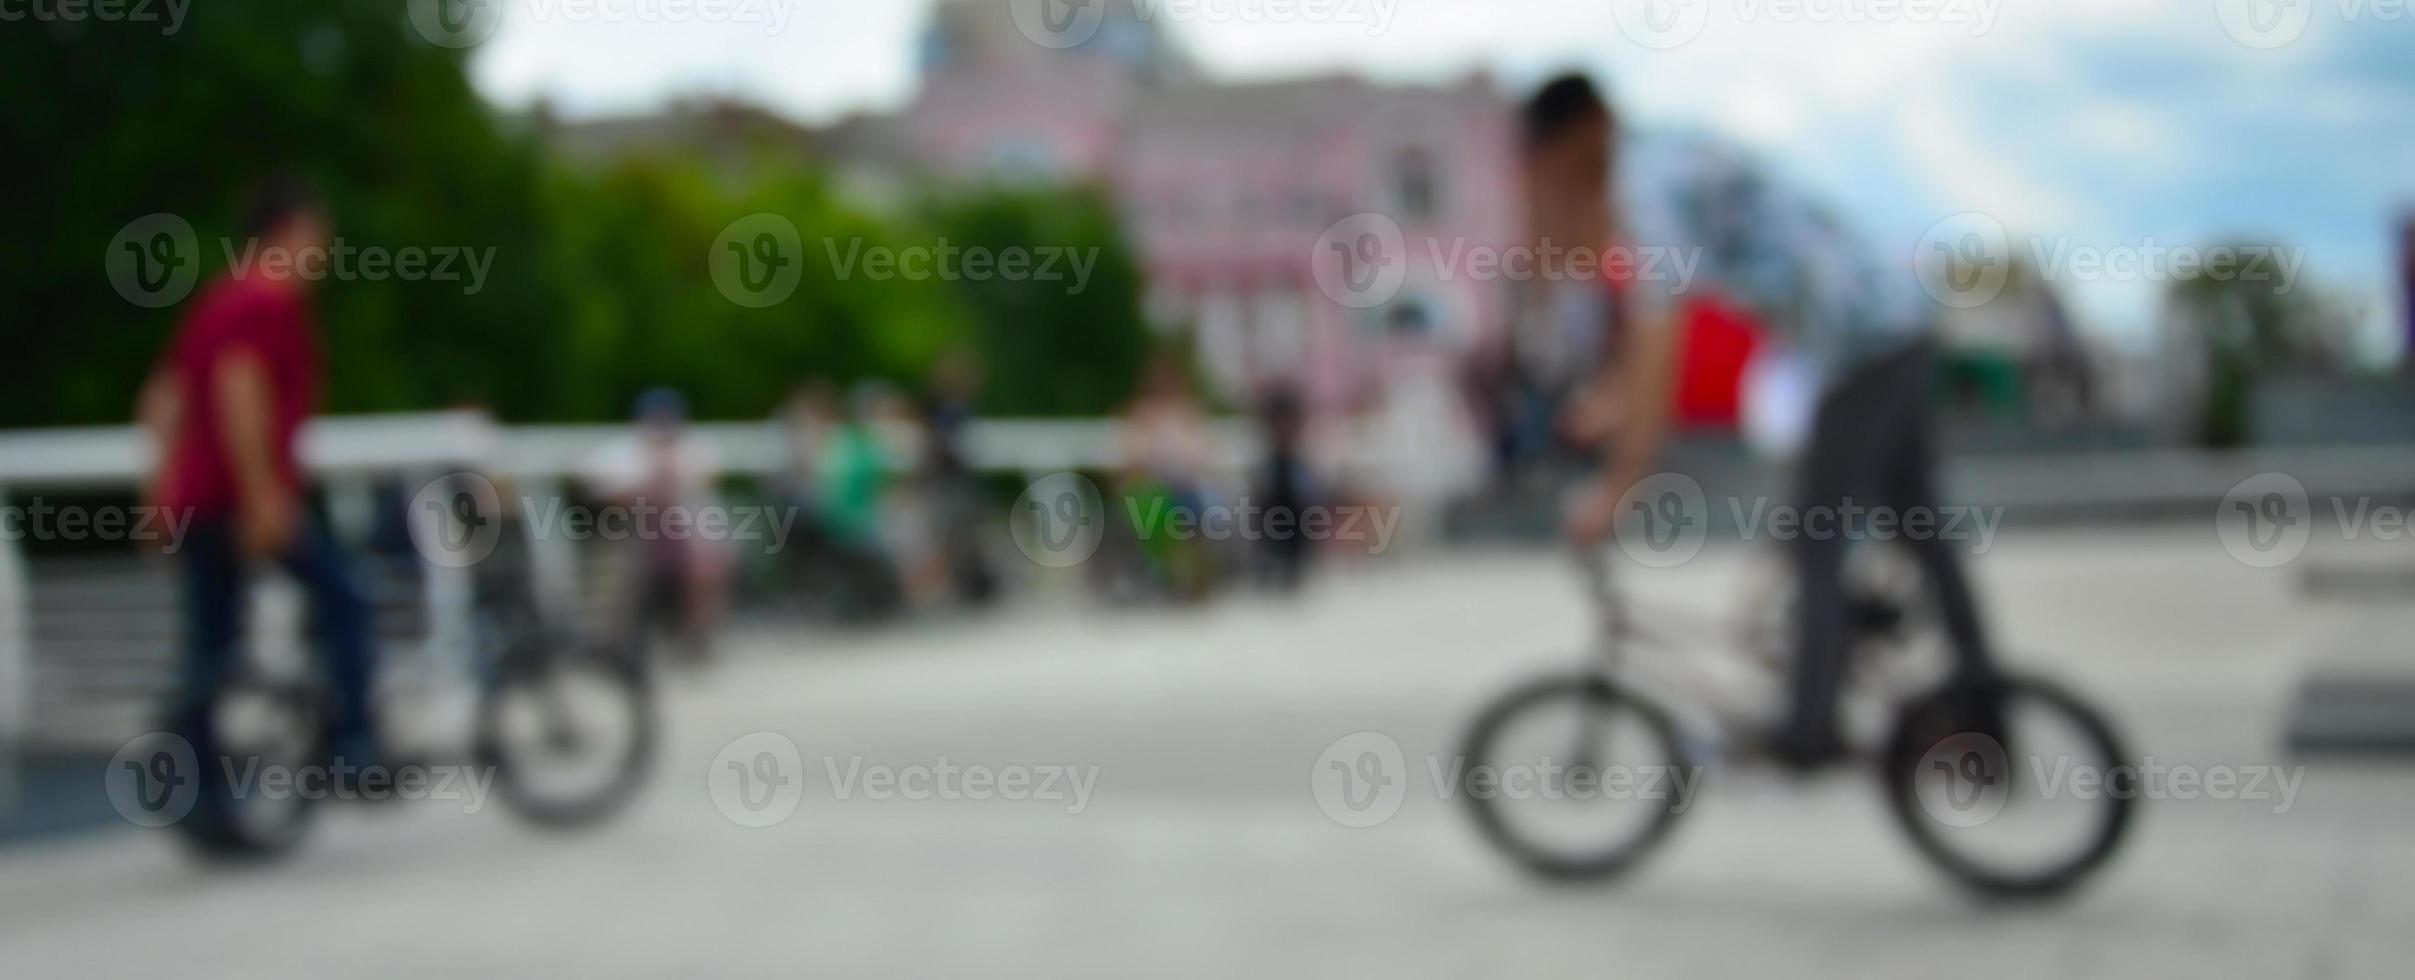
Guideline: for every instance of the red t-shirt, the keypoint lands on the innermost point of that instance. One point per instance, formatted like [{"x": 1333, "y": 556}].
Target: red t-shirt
[{"x": 268, "y": 320}]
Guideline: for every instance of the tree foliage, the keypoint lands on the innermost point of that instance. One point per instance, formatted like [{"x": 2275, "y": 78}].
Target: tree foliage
[
  {"x": 1052, "y": 346},
  {"x": 599, "y": 284}
]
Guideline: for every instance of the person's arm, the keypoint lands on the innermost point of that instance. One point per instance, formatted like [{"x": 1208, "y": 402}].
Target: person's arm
[
  {"x": 245, "y": 413},
  {"x": 1131, "y": 445},
  {"x": 1647, "y": 375},
  {"x": 1637, "y": 422},
  {"x": 158, "y": 412}
]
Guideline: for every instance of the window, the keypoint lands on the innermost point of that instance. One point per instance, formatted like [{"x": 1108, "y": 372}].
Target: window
[
  {"x": 1281, "y": 341},
  {"x": 938, "y": 51},
  {"x": 1223, "y": 339},
  {"x": 1129, "y": 42},
  {"x": 1023, "y": 158},
  {"x": 1415, "y": 184},
  {"x": 1411, "y": 318}
]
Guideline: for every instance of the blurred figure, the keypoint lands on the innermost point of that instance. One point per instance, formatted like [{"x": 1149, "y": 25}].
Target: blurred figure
[
  {"x": 906, "y": 523},
  {"x": 1870, "y": 440},
  {"x": 1285, "y": 486},
  {"x": 224, "y": 408},
  {"x": 1167, "y": 454},
  {"x": 955, "y": 383},
  {"x": 681, "y": 578},
  {"x": 1563, "y": 325},
  {"x": 949, "y": 482},
  {"x": 1425, "y": 450},
  {"x": 813, "y": 427},
  {"x": 1165, "y": 433},
  {"x": 1577, "y": 319},
  {"x": 806, "y": 420},
  {"x": 853, "y": 468}
]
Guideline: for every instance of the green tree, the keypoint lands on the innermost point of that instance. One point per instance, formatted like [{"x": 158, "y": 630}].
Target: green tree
[
  {"x": 599, "y": 283},
  {"x": 1053, "y": 347},
  {"x": 115, "y": 120},
  {"x": 2253, "y": 324},
  {"x": 634, "y": 242}
]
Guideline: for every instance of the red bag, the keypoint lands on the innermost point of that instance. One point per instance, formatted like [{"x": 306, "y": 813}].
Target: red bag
[{"x": 1717, "y": 342}]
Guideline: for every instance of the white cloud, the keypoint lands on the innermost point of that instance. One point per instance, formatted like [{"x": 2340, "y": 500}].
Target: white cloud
[
  {"x": 2124, "y": 134},
  {"x": 824, "y": 58},
  {"x": 1976, "y": 168}
]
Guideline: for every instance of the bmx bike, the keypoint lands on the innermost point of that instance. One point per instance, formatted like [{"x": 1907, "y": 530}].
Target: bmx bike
[
  {"x": 1972, "y": 770},
  {"x": 565, "y": 723}
]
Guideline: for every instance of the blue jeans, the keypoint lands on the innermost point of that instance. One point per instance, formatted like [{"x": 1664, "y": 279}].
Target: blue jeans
[{"x": 215, "y": 600}]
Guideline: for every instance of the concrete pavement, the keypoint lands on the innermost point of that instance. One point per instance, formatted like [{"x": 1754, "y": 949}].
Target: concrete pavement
[{"x": 1201, "y": 850}]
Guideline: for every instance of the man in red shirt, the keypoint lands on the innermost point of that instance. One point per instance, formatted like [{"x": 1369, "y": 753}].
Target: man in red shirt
[{"x": 224, "y": 407}]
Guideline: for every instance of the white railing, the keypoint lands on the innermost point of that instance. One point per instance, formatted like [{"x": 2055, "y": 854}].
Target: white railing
[
  {"x": 348, "y": 455},
  {"x": 1036, "y": 446}
]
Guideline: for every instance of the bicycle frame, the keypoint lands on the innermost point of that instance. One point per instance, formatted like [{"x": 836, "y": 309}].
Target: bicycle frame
[{"x": 1715, "y": 687}]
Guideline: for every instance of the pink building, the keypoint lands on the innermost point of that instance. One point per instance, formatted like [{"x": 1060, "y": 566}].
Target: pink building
[{"x": 1227, "y": 189}]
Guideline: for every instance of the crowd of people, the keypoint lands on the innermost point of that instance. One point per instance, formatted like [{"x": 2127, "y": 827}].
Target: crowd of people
[{"x": 891, "y": 507}]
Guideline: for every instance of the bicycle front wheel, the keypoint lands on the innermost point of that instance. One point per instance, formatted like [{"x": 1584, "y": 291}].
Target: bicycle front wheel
[
  {"x": 569, "y": 734},
  {"x": 2015, "y": 788},
  {"x": 1575, "y": 778},
  {"x": 257, "y": 742}
]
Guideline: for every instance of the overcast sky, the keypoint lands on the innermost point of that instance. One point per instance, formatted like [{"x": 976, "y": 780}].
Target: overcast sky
[{"x": 2094, "y": 124}]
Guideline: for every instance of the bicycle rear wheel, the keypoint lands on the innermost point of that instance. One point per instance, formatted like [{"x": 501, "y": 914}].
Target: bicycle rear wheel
[
  {"x": 1575, "y": 778},
  {"x": 2016, "y": 788}
]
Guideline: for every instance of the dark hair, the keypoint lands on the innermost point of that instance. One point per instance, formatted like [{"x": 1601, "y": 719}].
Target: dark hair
[
  {"x": 276, "y": 199},
  {"x": 1559, "y": 104}
]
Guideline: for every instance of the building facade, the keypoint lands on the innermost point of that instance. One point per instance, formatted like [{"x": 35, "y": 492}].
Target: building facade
[{"x": 1226, "y": 190}]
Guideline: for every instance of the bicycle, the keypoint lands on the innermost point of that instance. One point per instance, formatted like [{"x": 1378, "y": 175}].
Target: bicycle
[
  {"x": 1943, "y": 748},
  {"x": 566, "y": 724}
]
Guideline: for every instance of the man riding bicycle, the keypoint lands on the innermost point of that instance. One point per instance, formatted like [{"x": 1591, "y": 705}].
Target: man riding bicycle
[{"x": 1870, "y": 442}]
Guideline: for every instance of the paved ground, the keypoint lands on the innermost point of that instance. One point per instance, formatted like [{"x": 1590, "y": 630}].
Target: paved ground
[{"x": 1202, "y": 850}]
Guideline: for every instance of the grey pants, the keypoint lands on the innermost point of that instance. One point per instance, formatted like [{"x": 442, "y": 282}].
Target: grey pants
[{"x": 1872, "y": 446}]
